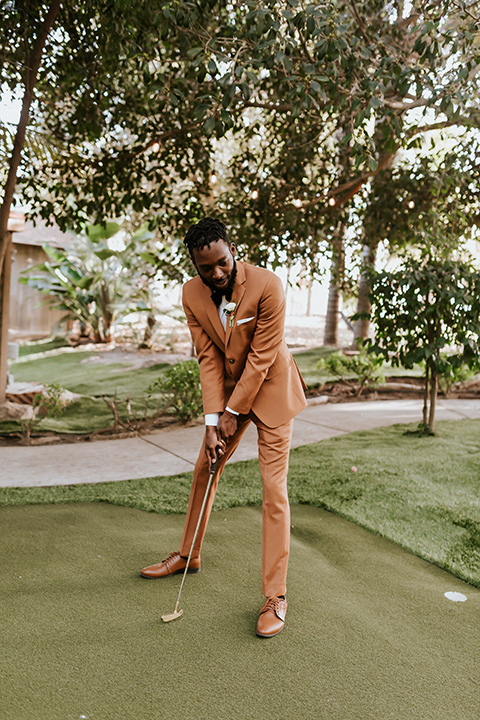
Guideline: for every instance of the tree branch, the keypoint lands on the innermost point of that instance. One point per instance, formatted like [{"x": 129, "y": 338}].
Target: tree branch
[
  {"x": 466, "y": 10},
  {"x": 305, "y": 48},
  {"x": 397, "y": 105},
  {"x": 353, "y": 7},
  {"x": 466, "y": 122},
  {"x": 351, "y": 187},
  {"x": 269, "y": 106},
  {"x": 400, "y": 9}
]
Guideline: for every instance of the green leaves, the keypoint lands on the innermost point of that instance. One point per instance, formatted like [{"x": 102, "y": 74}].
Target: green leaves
[
  {"x": 122, "y": 78},
  {"x": 209, "y": 126},
  {"x": 103, "y": 231},
  {"x": 428, "y": 312},
  {"x": 180, "y": 389}
]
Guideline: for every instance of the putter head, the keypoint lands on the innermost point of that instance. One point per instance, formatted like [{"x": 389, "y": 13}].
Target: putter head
[{"x": 172, "y": 616}]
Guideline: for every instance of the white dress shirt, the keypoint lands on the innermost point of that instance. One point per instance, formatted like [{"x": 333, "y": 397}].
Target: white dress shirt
[{"x": 212, "y": 418}]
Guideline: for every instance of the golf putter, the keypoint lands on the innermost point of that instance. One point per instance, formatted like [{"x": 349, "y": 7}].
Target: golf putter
[{"x": 178, "y": 613}]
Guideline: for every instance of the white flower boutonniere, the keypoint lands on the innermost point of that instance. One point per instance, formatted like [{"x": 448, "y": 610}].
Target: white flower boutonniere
[{"x": 229, "y": 310}]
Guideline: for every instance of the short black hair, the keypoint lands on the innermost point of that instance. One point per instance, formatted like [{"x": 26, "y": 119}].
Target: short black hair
[{"x": 205, "y": 232}]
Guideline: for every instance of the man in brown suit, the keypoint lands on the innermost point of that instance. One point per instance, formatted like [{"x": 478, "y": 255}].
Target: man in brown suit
[{"x": 236, "y": 315}]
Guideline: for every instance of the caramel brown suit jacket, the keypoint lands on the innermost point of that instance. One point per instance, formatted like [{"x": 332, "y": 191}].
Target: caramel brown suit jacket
[{"x": 247, "y": 367}]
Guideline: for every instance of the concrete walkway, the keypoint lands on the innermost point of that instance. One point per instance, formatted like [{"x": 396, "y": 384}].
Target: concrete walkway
[{"x": 174, "y": 450}]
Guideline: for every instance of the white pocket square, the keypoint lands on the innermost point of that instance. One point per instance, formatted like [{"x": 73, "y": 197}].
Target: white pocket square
[{"x": 244, "y": 320}]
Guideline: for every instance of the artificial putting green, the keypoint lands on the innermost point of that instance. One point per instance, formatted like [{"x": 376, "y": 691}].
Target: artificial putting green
[
  {"x": 369, "y": 634},
  {"x": 421, "y": 492}
]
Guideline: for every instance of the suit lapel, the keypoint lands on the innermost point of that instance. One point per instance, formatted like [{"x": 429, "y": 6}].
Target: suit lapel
[
  {"x": 211, "y": 311},
  {"x": 237, "y": 295}
]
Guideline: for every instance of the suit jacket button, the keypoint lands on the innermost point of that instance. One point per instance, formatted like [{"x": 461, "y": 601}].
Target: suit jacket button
[{"x": 231, "y": 361}]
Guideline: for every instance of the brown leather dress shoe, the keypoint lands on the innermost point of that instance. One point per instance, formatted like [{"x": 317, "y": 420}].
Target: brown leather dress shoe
[
  {"x": 272, "y": 617},
  {"x": 172, "y": 565}
]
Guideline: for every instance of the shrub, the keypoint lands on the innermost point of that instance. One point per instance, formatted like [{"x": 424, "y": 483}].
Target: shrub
[
  {"x": 181, "y": 390},
  {"x": 47, "y": 404},
  {"x": 357, "y": 370}
]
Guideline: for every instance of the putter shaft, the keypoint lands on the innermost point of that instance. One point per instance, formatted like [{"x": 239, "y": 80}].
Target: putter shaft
[{"x": 178, "y": 613}]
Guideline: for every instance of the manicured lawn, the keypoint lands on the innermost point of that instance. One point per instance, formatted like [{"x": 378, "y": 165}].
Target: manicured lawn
[
  {"x": 77, "y": 371},
  {"x": 80, "y": 372},
  {"x": 307, "y": 363}
]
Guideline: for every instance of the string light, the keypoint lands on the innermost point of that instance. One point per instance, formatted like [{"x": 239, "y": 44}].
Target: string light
[
  {"x": 155, "y": 147},
  {"x": 254, "y": 194},
  {"x": 213, "y": 178},
  {"x": 411, "y": 204},
  {"x": 332, "y": 201}
]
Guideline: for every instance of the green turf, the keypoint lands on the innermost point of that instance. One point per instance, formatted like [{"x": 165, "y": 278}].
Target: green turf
[
  {"x": 369, "y": 633},
  {"x": 82, "y": 416},
  {"x": 78, "y": 372},
  {"x": 420, "y": 492},
  {"x": 45, "y": 345}
]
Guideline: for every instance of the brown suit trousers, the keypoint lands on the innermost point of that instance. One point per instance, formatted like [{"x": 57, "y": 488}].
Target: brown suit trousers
[{"x": 273, "y": 455}]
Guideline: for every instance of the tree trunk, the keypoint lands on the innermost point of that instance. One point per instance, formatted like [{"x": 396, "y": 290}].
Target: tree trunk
[
  {"x": 433, "y": 400},
  {"x": 309, "y": 296},
  {"x": 147, "y": 341},
  {"x": 107, "y": 314},
  {"x": 337, "y": 274},
  {"x": 426, "y": 395},
  {"x": 362, "y": 325},
  {"x": 4, "y": 312},
  {"x": 331, "y": 321},
  {"x": 32, "y": 63}
]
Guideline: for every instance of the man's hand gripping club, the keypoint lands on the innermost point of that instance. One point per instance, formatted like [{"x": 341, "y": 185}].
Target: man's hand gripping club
[{"x": 216, "y": 438}]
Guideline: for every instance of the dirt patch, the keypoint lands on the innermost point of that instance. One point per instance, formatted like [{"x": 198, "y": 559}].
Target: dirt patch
[{"x": 134, "y": 358}]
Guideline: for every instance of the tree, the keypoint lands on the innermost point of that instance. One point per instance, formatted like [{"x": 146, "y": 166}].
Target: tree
[
  {"x": 433, "y": 62},
  {"x": 409, "y": 73},
  {"x": 124, "y": 117},
  {"x": 151, "y": 107},
  {"x": 267, "y": 186},
  {"x": 118, "y": 113},
  {"x": 428, "y": 311},
  {"x": 84, "y": 67},
  {"x": 30, "y": 72}
]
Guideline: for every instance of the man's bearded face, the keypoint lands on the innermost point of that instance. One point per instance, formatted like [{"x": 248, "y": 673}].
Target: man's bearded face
[{"x": 215, "y": 264}]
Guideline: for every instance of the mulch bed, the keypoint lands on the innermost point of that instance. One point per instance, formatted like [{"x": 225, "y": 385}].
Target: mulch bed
[
  {"x": 51, "y": 438},
  {"x": 395, "y": 388}
]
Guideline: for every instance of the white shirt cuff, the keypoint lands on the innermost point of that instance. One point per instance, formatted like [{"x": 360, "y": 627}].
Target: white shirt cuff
[
  {"x": 212, "y": 419},
  {"x": 234, "y": 412}
]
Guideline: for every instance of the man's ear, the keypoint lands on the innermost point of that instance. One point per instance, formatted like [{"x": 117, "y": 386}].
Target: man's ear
[{"x": 233, "y": 249}]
